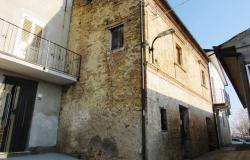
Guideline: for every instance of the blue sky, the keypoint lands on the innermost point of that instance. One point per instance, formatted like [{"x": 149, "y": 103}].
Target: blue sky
[{"x": 213, "y": 22}]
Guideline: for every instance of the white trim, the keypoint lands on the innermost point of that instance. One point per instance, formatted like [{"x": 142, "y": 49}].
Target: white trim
[{"x": 248, "y": 72}]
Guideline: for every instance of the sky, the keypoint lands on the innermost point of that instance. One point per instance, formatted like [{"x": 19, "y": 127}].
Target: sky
[{"x": 212, "y": 22}]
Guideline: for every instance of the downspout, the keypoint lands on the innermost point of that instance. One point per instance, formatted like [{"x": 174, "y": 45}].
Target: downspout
[
  {"x": 214, "y": 112},
  {"x": 143, "y": 81}
]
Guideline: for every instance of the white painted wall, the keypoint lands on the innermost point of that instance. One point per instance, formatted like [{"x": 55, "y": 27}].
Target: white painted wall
[
  {"x": 218, "y": 82},
  {"x": 53, "y": 14}
]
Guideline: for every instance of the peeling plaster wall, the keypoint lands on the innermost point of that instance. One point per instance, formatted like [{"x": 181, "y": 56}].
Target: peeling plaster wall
[
  {"x": 170, "y": 85},
  {"x": 43, "y": 131},
  {"x": 164, "y": 94},
  {"x": 101, "y": 114},
  {"x": 44, "y": 124}
]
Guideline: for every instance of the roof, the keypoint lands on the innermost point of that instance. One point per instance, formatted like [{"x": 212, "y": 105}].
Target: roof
[
  {"x": 233, "y": 60},
  {"x": 234, "y": 40}
]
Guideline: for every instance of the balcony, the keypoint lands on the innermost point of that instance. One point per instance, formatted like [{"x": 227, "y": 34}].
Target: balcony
[
  {"x": 27, "y": 53},
  {"x": 221, "y": 98}
]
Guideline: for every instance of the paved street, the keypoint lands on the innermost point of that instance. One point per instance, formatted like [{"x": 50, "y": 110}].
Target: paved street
[
  {"x": 230, "y": 153},
  {"x": 50, "y": 156}
]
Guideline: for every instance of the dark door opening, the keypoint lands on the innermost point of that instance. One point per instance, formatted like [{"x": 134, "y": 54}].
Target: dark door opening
[
  {"x": 185, "y": 134},
  {"x": 17, "y": 99},
  {"x": 209, "y": 124}
]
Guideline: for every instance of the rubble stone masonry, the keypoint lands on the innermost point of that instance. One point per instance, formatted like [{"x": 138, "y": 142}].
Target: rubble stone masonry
[{"x": 101, "y": 114}]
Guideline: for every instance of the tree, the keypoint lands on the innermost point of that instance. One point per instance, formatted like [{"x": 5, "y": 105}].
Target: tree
[{"x": 240, "y": 126}]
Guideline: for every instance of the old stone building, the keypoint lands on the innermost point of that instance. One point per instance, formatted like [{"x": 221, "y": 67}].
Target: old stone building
[{"x": 132, "y": 102}]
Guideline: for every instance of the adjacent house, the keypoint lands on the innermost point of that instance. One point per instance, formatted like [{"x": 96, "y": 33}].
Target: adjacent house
[
  {"x": 34, "y": 65},
  {"x": 221, "y": 99},
  {"x": 144, "y": 90},
  {"x": 235, "y": 58}
]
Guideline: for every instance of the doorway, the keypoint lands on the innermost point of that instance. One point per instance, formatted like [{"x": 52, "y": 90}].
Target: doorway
[
  {"x": 17, "y": 99},
  {"x": 209, "y": 124},
  {"x": 185, "y": 134}
]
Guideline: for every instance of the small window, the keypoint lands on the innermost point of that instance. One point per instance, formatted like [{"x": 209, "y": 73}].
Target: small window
[
  {"x": 179, "y": 55},
  {"x": 117, "y": 37},
  {"x": 203, "y": 78},
  {"x": 164, "y": 122}
]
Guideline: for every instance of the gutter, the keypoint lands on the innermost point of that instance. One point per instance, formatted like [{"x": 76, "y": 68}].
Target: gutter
[{"x": 143, "y": 80}]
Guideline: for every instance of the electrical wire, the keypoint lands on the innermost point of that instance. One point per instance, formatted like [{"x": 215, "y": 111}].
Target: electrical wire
[{"x": 177, "y": 6}]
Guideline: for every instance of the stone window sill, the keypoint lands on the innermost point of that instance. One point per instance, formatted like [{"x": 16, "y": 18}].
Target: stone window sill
[
  {"x": 180, "y": 66},
  {"x": 116, "y": 50}
]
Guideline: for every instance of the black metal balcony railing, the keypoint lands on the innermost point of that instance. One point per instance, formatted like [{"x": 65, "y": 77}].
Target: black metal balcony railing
[
  {"x": 220, "y": 96},
  {"x": 31, "y": 47}
]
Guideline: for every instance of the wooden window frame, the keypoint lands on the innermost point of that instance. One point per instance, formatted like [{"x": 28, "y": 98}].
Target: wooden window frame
[
  {"x": 120, "y": 45},
  {"x": 203, "y": 78},
  {"x": 179, "y": 55}
]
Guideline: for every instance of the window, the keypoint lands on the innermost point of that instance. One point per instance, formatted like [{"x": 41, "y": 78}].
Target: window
[
  {"x": 27, "y": 43},
  {"x": 179, "y": 55},
  {"x": 27, "y": 25},
  {"x": 30, "y": 27},
  {"x": 203, "y": 78},
  {"x": 164, "y": 122},
  {"x": 248, "y": 72},
  {"x": 117, "y": 37}
]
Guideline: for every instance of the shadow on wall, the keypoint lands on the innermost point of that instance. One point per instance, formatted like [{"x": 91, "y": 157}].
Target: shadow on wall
[{"x": 190, "y": 131}]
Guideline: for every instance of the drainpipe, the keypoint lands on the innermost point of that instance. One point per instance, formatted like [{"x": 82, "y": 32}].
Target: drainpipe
[
  {"x": 214, "y": 112},
  {"x": 143, "y": 81}
]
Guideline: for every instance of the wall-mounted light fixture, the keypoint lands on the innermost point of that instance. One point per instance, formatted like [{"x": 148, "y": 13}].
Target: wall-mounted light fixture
[{"x": 162, "y": 34}]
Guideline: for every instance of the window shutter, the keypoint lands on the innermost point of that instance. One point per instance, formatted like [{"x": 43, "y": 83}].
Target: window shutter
[{"x": 27, "y": 25}]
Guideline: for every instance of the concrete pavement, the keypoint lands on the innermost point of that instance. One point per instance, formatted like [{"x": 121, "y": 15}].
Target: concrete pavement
[
  {"x": 229, "y": 153},
  {"x": 49, "y": 156}
]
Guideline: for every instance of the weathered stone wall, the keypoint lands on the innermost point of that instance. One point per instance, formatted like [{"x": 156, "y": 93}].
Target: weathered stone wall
[
  {"x": 101, "y": 114},
  {"x": 170, "y": 85}
]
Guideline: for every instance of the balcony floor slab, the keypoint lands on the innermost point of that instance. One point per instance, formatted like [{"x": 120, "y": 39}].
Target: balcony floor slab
[{"x": 24, "y": 68}]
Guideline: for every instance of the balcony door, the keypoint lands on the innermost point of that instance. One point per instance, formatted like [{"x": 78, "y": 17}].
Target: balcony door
[{"x": 17, "y": 98}]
